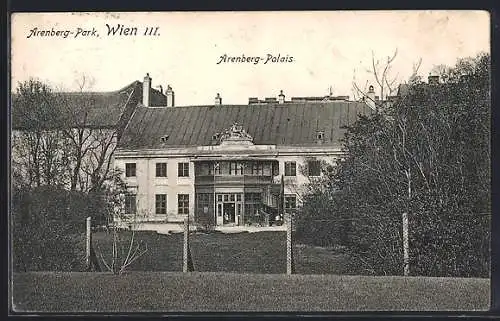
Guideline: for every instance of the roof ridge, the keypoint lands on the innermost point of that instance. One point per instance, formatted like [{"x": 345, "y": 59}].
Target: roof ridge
[{"x": 260, "y": 105}]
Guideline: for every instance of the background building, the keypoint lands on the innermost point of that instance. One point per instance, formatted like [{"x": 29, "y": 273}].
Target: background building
[{"x": 68, "y": 138}]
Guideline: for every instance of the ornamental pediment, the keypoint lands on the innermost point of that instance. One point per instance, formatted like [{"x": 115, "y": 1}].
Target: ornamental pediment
[{"x": 234, "y": 135}]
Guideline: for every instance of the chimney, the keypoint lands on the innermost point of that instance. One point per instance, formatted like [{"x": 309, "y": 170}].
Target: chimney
[
  {"x": 170, "y": 96},
  {"x": 218, "y": 99},
  {"x": 370, "y": 97},
  {"x": 281, "y": 97},
  {"x": 146, "y": 90},
  {"x": 433, "y": 80},
  {"x": 253, "y": 100}
]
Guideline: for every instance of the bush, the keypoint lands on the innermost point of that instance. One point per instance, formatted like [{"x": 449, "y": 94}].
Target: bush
[
  {"x": 48, "y": 229},
  {"x": 205, "y": 222},
  {"x": 319, "y": 223}
]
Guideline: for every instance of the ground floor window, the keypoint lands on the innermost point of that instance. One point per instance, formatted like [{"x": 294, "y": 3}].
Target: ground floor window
[
  {"x": 130, "y": 204},
  {"x": 290, "y": 203},
  {"x": 253, "y": 209},
  {"x": 161, "y": 203},
  {"x": 183, "y": 203}
]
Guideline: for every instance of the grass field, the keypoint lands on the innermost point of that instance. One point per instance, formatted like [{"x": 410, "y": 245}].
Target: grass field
[
  {"x": 262, "y": 252},
  {"x": 216, "y": 292}
]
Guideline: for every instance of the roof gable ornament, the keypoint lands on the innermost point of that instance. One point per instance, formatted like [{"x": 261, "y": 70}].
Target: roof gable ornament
[{"x": 234, "y": 135}]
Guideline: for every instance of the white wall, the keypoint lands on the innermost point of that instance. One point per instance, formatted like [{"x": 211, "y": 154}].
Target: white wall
[{"x": 146, "y": 185}]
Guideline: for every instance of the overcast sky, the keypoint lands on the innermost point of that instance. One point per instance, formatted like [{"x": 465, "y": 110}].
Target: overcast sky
[{"x": 328, "y": 49}]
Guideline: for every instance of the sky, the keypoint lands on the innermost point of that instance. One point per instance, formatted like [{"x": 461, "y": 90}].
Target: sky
[{"x": 327, "y": 49}]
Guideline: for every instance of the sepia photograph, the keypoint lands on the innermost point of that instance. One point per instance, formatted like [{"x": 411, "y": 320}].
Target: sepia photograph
[{"x": 250, "y": 161}]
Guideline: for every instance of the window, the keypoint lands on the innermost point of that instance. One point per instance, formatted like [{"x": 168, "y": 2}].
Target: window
[
  {"x": 320, "y": 135},
  {"x": 290, "y": 169},
  {"x": 130, "y": 204},
  {"x": 313, "y": 167},
  {"x": 183, "y": 203},
  {"x": 183, "y": 170},
  {"x": 275, "y": 169},
  {"x": 235, "y": 168},
  {"x": 290, "y": 203},
  {"x": 130, "y": 169},
  {"x": 257, "y": 168},
  {"x": 161, "y": 169},
  {"x": 253, "y": 197},
  {"x": 204, "y": 204},
  {"x": 161, "y": 204},
  {"x": 217, "y": 169}
]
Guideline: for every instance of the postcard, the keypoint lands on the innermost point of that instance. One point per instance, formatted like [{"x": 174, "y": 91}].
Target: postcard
[{"x": 239, "y": 162}]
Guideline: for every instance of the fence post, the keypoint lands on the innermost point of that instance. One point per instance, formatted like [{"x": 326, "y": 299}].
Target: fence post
[
  {"x": 187, "y": 260},
  {"x": 88, "y": 243},
  {"x": 406, "y": 250},
  {"x": 289, "y": 244}
]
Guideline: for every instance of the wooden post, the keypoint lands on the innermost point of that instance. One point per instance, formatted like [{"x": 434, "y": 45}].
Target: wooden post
[
  {"x": 187, "y": 260},
  {"x": 289, "y": 244},
  {"x": 88, "y": 243},
  {"x": 406, "y": 250}
]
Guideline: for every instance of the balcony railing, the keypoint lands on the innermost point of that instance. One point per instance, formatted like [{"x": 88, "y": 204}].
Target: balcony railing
[{"x": 233, "y": 179}]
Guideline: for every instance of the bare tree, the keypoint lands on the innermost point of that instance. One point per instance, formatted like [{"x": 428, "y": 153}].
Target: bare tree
[
  {"x": 92, "y": 145},
  {"x": 39, "y": 154},
  {"x": 385, "y": 82},
  {"x": 123, "y": 252}
]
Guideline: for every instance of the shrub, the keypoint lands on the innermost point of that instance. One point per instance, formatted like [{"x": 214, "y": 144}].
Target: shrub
[
  {"x": 48, "y": 229},
  {"x": 205, "y": 222}
]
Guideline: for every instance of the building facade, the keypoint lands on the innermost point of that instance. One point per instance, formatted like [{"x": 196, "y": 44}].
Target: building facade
[{"x": 229, "y": 164}]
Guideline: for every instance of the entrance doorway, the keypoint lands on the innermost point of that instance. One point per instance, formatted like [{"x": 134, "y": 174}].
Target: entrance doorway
[
  {"x": 229, "y": 209},
  {"x": 229, "y": 213}
]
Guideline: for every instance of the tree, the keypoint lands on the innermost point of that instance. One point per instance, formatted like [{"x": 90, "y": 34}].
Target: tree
[
  {"x": 92, "y": 146},
  {"x": 40, "y": 155},
  {"x": 382, "y": 75},
  {"x": 57, "y": 146},
  {"x": 56, "y": 140},
  {"x": 124, "y": 250},
  {"x": 427, "y": 156}
]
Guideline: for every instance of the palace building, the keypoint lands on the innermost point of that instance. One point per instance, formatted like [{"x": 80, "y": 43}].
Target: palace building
[{"x": 229, "y": 164}]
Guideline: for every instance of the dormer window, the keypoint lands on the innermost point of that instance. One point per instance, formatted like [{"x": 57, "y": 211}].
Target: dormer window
[{"x": 164, "y": 138}]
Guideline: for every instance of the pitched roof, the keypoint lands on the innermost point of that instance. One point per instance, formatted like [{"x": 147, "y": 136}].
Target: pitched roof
[
  {"x": 273, "y": 124},
  {"x": 94, "y": 109}
]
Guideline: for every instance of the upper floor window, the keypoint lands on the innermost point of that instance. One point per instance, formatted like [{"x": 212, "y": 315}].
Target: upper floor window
[
  {"x": 130, "y": 169},
  {"x": 235, "y": 168},
  {"x": 290, "y": 169},
  {"x": 183, "y": 170},
  {"x": 217, "y": 169},
  {"x": 183, "y": 203},
  {"x": 257, "y": 168},
  {"x": 130, "y": 204},
  {"x": 161, "y": 169},
  {"x": 275, "y": 168},
  {"x": 313, "y": 168}
]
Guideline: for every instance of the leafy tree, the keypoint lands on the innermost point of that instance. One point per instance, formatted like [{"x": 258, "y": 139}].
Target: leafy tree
[{"x": 426, "y": 156}]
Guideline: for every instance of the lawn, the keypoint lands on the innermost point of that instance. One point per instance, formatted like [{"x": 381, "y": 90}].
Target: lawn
[
  {"x": 262, "y": 252},
  {"x": 213, "y": 292}
]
